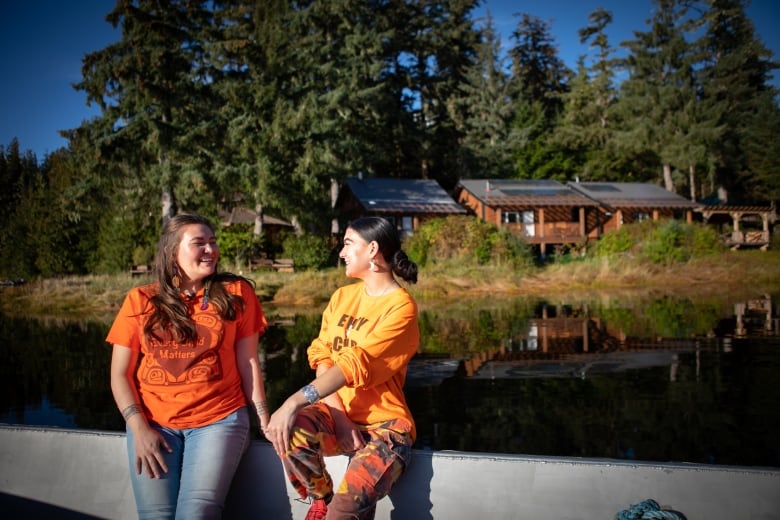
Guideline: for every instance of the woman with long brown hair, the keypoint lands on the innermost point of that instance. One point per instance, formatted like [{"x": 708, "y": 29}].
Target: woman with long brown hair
[{"x": 184, "y": 367}]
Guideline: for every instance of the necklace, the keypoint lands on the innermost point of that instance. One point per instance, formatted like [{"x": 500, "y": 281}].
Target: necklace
[
  {"x": 387, "y": 288},
  {"x": 205, "y": 304},
  {"x": 190, "y": 295}
]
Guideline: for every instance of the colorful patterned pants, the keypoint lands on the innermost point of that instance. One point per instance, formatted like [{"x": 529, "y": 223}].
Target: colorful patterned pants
[{"x": 371, "y": 471}]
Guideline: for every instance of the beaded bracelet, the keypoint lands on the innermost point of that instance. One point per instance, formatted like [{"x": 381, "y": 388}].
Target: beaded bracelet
[{"x": 130, "y": 411}]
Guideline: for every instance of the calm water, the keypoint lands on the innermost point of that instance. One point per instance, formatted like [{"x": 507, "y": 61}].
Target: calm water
[{"x": 660, "y": 379}]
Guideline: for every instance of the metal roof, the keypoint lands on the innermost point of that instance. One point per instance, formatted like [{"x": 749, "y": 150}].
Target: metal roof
[
  {"x": 391, "y": 195},
  {"x": 521, "y": 193},
  {"x": 241, "y": 215},
  {"x": 632, "y": 194}
]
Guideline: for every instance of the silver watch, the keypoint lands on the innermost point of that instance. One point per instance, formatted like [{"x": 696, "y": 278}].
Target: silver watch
[{"x": 310, "y": 393}]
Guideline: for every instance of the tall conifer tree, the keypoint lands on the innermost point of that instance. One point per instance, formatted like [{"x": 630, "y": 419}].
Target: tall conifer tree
[
  {"x": 658, "y": 99},
  {"x": 586, "y": 126},
  {"x": 153, "y": 87},
  {"x": 735, "y": 78},
  {"x": 486, "y": 111},
  {"x": 539, "y": 80}
]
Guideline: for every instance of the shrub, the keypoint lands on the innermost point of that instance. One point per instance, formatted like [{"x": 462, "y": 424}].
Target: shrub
[
  {"x": 660, "y": 242},
  {"x": 704, "y": 240},
  {"x": 614, "y": 243},
  {"x": 307, "y": 251},
  {"x": 469, "y": 240},
  {"x": 419, "y": 245},
  {"x": 665, "y": 244},
  {"x": 238, "y": 244}
]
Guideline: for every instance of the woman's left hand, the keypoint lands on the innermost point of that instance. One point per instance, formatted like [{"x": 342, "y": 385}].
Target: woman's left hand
[{"x": 277, "y": 429}]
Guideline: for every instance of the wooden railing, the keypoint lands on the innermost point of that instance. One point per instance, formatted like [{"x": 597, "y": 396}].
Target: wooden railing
[
  {"x": 283, "y": 265},
  {"x": 553, "y": 232},
  {"x": 746, "y": 238},
  {"x": 139, "y": 270}
]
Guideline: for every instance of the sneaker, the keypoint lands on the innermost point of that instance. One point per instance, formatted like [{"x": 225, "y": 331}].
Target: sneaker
[{"x": 318, "y": 509}]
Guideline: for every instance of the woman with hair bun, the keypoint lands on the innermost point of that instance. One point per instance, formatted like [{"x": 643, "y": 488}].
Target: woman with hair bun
[{"x": 355, "y": 405}]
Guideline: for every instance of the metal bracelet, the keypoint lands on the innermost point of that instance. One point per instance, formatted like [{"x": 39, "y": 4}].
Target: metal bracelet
[{"x": 310, "y": 393}]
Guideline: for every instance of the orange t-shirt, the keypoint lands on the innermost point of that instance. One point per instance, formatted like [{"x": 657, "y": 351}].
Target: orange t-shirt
[
  {"x": 182, "y": 385},
  {"x": 371, "y": 339}
]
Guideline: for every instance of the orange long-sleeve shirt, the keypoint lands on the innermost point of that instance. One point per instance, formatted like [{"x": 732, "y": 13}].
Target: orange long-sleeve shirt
[{"x": 371, "y": 339}]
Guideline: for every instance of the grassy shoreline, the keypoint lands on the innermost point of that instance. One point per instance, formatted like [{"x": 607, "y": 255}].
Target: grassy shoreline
[{"x": 732, "y": 274}]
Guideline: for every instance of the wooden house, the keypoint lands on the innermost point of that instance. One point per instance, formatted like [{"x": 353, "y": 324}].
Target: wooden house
[
  {"x": 626, "y": 202},
  {"x": 544, "y": 212},
  {"x": 406, "y": 202}
]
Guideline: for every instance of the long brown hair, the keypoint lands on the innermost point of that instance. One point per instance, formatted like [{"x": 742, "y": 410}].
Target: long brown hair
[{"x": 168, "y": 311}]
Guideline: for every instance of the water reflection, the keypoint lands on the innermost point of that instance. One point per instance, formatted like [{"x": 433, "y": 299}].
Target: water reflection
[
  {"x": 567, "y": 340},
  {"x": 55, "y": 373},
  {"x": 663, "y": 379}
]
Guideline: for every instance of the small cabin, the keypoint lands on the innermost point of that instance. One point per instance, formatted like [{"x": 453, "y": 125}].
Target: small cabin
[
  {"x": 406, "y": 202},
  {"x": 271, "y": 229},
  {"x": 627, "y": 202},
  {"x": 543, "y": 212}
]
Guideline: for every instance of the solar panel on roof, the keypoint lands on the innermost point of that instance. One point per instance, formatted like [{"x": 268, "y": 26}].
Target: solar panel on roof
[
  {"x": 602, "y": 188},
  {"x": 547, "y": 192}
]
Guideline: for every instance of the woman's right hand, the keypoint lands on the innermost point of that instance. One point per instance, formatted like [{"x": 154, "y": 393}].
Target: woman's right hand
[
  {"x": 148, "y": 442},
  {"x": 348, "y": 435},
  {"x": 149, "y": 446}
]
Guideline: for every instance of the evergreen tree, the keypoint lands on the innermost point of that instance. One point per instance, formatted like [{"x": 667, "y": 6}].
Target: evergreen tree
[
  {"x": 250, "y": 50},
  {"x": 333, "y": 90},
  {"x": 586, "y": 129},
  {"x": 325, "y": 120},
  {"x": 108, "y": 198},
  {"x": 486, "y": 112},
  {"x": 760, "y": 181},
  {"x": 20, "y": 177},
  {"x": 538, "y": 74},
  {"x": 55, "y": 234},
  {"x": 19, "y": 248},
  {"x": 15, "y": 167},
  {"x": 441, "y": 43},
  {"x": 736, "y": 79},
  {"x": 657, "y": 103},
  {"x": 539, "y": 80},
  {"x": 154, "y": 89}
]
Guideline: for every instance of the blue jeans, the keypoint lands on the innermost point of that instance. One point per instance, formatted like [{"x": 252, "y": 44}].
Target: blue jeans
[{"x": 200, "y": 470}]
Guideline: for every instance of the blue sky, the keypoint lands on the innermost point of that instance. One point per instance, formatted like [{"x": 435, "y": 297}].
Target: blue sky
[{"x": 42, "y": 43}]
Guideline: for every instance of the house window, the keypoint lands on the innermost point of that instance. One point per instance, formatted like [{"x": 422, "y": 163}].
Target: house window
[
  {"x": 510, "y": 217},
  {"x": 528, "y": 224},
  {"x": 407, "y": 226},
  {"x": 640, "y": 216}
]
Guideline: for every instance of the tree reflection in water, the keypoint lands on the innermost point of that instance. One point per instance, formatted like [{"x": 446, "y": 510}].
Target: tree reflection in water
[{"x": 665, "y": 379}]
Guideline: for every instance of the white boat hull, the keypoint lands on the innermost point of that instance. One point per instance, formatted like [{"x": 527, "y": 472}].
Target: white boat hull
[{"x": 84, "y": 474}]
